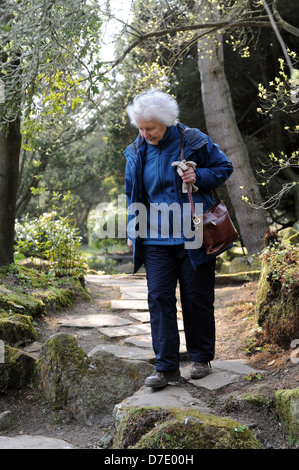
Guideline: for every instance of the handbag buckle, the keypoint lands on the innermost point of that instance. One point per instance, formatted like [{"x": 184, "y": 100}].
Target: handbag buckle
[{"x": 196, "y": 220}]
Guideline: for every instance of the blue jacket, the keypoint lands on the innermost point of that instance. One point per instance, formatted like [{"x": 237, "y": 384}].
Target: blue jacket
[{"x": 213, "y": 168}]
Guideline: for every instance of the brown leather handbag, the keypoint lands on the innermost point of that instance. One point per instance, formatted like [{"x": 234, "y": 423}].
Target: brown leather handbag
[{"x": 219, "y": 231}]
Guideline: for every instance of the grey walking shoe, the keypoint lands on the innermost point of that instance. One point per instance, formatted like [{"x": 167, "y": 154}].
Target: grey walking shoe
[
  {"x": 161, "y": 378},
  {"x": 200, "y": 369}
]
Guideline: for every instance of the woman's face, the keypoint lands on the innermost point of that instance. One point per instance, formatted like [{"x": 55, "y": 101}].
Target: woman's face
[{"x": 152, "y": 131}]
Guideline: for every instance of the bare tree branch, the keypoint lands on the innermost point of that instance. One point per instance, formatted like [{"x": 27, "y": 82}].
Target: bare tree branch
[
  {"x": 277, "y": 33},
  {"x": 256, "y": 23},
  {"x": 284, "y": 25}
]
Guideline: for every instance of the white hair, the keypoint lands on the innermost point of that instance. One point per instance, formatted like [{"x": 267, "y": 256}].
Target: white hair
[{"x": 154, "y": 105}]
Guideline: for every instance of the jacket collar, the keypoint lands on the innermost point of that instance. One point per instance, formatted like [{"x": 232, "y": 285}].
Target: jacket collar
[{"x": 194, "y": 138}]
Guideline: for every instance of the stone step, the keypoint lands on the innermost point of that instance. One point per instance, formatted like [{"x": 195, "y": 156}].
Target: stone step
[
  {"x": 145, "y": 341},
  {"x": 129, "y": 305},
  {"x": 125, "y": 352},
  {"x": 143, "y": 316},
  {"x": 107, "y": 280},
  {"x": 222, "y": 373},
  {"x": 97, "y": 320},
  {"x": 172, "y": 396},
  {"x": 134, "y": 295},
  {"x": 126, "y": 330}
]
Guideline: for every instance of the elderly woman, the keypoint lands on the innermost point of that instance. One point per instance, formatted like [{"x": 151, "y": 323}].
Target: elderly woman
[{"x": 151, "y": 178}]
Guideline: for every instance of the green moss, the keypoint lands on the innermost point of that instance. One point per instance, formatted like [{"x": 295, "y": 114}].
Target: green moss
[
  {"x": 262, "y": 292},
  {"x": 136, "y": 423},
  {"x": 62, "y": 351},
  {"x": 25, "y": 276},
  {"x": 18, "y": 302},
  {"x": 63, "y": 294},
  {"x": 56, "y": 297},
  {"x": 256, "y": 397},
  {"x": 287, "y": 404},
  {"x": 181, "y": 429},
  {"x": 16, "y": 329},
  {"x": 59, "y": 355},
  {"x": 29, "y": 292},
  {"x": 11, "y": 354},
  {"x": 277, "y": 310}
]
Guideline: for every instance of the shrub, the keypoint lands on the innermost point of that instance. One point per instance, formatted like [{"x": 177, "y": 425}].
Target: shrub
[{"x": 52, "y": 238}]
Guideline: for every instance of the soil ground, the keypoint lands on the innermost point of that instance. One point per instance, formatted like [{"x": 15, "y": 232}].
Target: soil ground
[{"x": 236, "y": 339}]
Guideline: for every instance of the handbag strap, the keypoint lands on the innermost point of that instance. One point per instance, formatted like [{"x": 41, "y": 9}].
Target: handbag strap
[{"x": 214, "y": 192}]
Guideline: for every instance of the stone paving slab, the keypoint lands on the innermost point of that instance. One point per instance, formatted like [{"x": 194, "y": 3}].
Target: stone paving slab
[
  {"x": 112, "y": 281},
  {"x": 125, "y": 352},
  {"x": 140, "y": 341},
  {"x": 222, "y": 373},
  {"x": 170, "y": 396},
  {"x": 142, "y": 316},
  {"x": 238, "y": 366},
  {"x": 129, "y": 305},
  {"x": 129, "y": 330},
  {"x": 96, "y": 321},
  {"x": 134, "y": 295},
  {"x": 215, "y": 380},
  {"x": 145, "y": 341},
  {"x": 33, "y": 442},
  {"x": 141, "y": 288}
]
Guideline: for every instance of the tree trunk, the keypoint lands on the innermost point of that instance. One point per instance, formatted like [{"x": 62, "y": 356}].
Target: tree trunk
[
  {"x": 223, "y": 130},
  {"x": 10, "y": 145}
]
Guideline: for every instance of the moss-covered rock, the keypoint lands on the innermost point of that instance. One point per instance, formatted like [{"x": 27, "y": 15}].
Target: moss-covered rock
[
  {"x": 242, "y": 264},
  {"x": 287, "y": 405},
  {"x": 58, "y": 297},
  {"x": 180, "y": 428},
  {"x": 237, "y": 278},
  {"x": 32, "y": 291},
  {"x": 60, "y": 359},
  {"x": 19, "y": 302},
  {"x": 257, "y": 396},
  {"x": 86, "y": 385},
  {"x": 16, "y": 329},
  {"x": 17, "y": 370},
  {"x": 277, "y": 310}
]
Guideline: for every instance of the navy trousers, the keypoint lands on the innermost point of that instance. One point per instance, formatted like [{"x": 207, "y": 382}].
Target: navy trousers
[{"x": 165, "y": 266}]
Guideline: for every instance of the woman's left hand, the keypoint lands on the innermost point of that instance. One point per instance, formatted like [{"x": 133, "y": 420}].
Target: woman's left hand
[{"x": 189, "y": 176}]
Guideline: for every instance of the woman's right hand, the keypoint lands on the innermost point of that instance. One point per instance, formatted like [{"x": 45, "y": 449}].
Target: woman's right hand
[{"x": 130, "y": 244}]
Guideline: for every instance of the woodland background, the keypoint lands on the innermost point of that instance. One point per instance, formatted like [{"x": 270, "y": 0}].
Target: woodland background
[{"x": 63, "y": 125}]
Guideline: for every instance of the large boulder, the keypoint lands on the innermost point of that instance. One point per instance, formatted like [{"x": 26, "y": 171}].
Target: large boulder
[
  {"x": 287, "y": 405},
  {"x": 277, "y": 300},
  {"x": 180, "y": 428},
  {"x": 16, "y": 329},
  {"x": 86, "y": 386}
]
